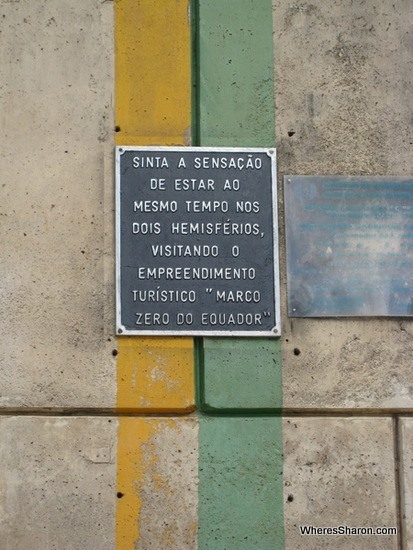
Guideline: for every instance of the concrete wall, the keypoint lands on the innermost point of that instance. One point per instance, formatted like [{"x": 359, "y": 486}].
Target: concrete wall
[
  {"x": 57, "y": 205},
  {"x": 343, "y": 77},
  {"x": 105, "y": 443}
]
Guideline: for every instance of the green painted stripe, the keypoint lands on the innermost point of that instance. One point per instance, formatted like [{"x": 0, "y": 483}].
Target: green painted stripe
[
  {"x": 236, "y": 99},
  {"x": 235, "y": 107},
  {"x": 240, "y": 376},
  {"x": 240, "y": 464},
  {"x": 236, "y": 104},
  {"x": 240, "y": 484}
]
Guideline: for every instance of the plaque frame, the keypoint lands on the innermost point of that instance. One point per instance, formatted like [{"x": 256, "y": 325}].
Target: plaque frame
[
  {"x": 349, "y": 246},
  {"x": 275, "y": 309}
]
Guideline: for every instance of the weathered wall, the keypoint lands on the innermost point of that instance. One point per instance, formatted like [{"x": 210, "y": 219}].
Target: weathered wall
[
  {"x": 57, "y": 204},
  {"x": 58, "y": 480},
  {"x": 101, "y": 446},
  {"x": 343, "y": 75}
]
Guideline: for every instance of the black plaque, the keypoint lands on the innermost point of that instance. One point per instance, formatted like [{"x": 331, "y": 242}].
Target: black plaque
[
  {"x": 197, "y": 250},
  {"x": 349, "y": 246}
]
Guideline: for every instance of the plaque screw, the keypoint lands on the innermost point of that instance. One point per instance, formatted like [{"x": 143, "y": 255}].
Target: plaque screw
[
  {"x": 294, "y": 309},
  {"x": 120, "y": 331},
  {"x": 289, "y": 180}
]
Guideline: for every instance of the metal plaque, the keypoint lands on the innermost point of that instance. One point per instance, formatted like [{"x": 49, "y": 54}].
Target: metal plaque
[
  {"x": 349, "y": 246},
  {"x": 197, "y": 249}
]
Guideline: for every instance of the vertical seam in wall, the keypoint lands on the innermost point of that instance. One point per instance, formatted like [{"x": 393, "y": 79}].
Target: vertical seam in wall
[
  {"x": 195, "y": 73},
  {"x": 199, "y": 373},
  {"x": 398, "y": 473},
  {"x": 195, "y": 141}
]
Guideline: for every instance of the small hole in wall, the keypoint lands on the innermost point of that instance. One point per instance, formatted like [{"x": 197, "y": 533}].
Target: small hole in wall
[
  {"x": 114, "y": 352},
  {"x": 120, "y": 495},
  {"x": 290, "y": 498},
  {"x": 291, "y": 133},
  {"x": 117, "y": 128},
  {"x": 296, "y": 351}
]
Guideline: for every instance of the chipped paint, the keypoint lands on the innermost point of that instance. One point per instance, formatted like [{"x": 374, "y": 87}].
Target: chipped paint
[
  {"x": 153, "y": 96},
  {"x": 155, "y": 374},
  {"x": 153, "y": 107},
  {"x": 169, "y": 495},
  {"x": 157, "y": 483}
]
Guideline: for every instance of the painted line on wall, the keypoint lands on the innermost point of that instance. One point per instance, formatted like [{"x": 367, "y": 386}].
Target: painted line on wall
[
  {"x": 153, "y": 105},
  {"x": 235, "y": 96},
  {"x": 239, "y": 380},
  {"x": 231, "y": 448},
  {"x": 153, "y": 100}
]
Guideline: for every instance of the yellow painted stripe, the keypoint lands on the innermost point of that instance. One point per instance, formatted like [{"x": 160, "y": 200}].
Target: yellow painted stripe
[
  {"x": 153, "y": 98},
  {"x": 130, "y": 477},
  {"x": 152, "y": 72},
  {"x": 157, "y": 483},
  {"x": 156, "y": 375},
  {"x": 152, "y": 107}
]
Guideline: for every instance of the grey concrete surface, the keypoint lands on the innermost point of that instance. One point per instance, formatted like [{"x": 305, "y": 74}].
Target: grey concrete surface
[
  {"x": 343, "y": 74},
  {"x": 56, "y": 211},
  {"x": 339, "y": 471},
  {"x": 57, "y": 483},
  {"x": 168, "y": 516}
]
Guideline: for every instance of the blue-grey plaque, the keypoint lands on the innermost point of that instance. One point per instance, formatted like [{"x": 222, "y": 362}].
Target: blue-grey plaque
[
  {"x": 349, "y": 246},
  {"x": 197, "y": 249}
]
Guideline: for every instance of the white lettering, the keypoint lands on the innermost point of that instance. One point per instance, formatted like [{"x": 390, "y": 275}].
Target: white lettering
[
  {"x": 155, "y": 206},
  {"x": 149, "y": 319},
  {"x": 194, "y": 184},
  {"x": 150, "y": 162},
  {"x": 215, "y": 228},
  {"x": 228, "y": 319},
  {"x": 156, "y": 183},
  {"x": 239, "y": 163},
  {"x": 247, "y": 296},
  {"x": 152, "y": 228},
  {"x": 248, "y": 206},
  {"x": 164, "y": 296},
  {"x": 180, "y": 250},
  {"x": 231, "y": 186},
  {"x": 186, "y": 318},
  {"x": 196, "y": 273},
  {"x": 235, "y": 251},
  {"x": 206, "y": 206}
]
